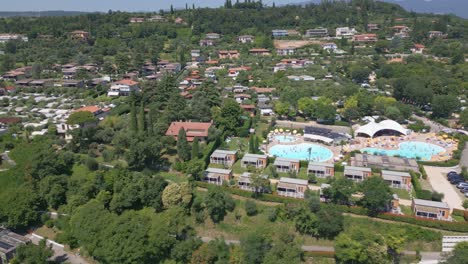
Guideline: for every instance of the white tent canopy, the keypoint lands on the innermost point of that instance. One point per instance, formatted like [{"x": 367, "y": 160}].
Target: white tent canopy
[{"x": 373, "y": 128}]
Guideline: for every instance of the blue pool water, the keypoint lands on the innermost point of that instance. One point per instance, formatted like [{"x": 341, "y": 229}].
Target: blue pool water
[
  {"x": 282, "y": 139},
  {"x": 410, "y": 149},
  {"x": 301, "y": 151}
]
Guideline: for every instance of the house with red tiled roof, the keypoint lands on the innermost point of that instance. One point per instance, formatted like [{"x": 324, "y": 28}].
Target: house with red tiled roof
[
  {"x": 365, "y": 38},
  {"x": 259, "y": 52},
  {"x": 418, "y": 48},
  {"x": 228, "y": 54},
  {"x": 123, "y": 88},
  {"x": 95, "y": 110},
  {"x": 234, "y": 72},
  {"x": 192, "y": 130},
  {"x": 249, "y": 108}
]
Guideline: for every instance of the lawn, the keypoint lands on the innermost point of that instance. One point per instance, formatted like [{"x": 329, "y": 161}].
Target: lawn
[
  {"x": 173, "y": 177},
  {"x": 241, "y": 144},
  {"x": 402, "y": 194}
]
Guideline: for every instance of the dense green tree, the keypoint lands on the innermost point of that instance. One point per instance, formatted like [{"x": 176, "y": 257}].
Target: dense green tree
[
  {"x": 464, "y": 118},
  {"x": 141, "y": 120},
  {"x": 340, "y": 191},
  {"x": 32, "y": 254},
  {"x": 330, "y": 222},
  {"x": 19, "y": 208},
  {"x": 218, "y": 203},
  {"x": 377, "y": 194},
  {"x": 81, "y": 118},
  {"x": 195, "y": 148},
  {"x": 459, "y": 255},
  {"x": 53, "y": 190},
  {"x": 133, "y": 121},
  {"x": 177, "y": 195},
  {"x": 229, "y": 116},
  {"x": 444, "y": 105},
  {"x": 250, "y": 208},
  {"x": 183, "y": 147},
  {"x": 361, "y": 247},
  {"x": 284, "y": 250},
  {"x": 255, "y": 246},
  {"x": 306, "y": 222}
]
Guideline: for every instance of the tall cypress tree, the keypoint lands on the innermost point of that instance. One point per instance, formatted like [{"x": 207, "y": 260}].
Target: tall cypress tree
[
  {"x": 251, "y": 144},
  {"x": 183, "y": 147},
  {"x": 149, "y": 123},
  {"x": 141, "y": 119},
  {"x": 256, "y": 144},
  {"x": 133, "y": 119},
  {"x": 195, "y": 149}
]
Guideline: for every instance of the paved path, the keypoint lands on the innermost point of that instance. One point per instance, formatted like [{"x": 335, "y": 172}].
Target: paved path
[
  {"x": 464, "y": 157},
  {"x": 337, "y": 129},
  {"x": 435, "y": 127},
  {"x": 439, "y": 182},
  {"x": 60, "y": 255},
  {"x": 426, "y": 256}
]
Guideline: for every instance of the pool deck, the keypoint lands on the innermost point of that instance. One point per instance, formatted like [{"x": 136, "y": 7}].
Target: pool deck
[{"x": 392, "y": 143}]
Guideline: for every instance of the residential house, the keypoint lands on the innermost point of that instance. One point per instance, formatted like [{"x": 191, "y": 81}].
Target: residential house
[
  {"x": 7, "y": 37},
  {"x": 212, "y": 36},
  {"x": 234, "y": 72},
  {"x": 365, "y": 38},
  {"x": 79, "y": 34},
  {"x": 137, "y": 19},
  {"x": 292, "y": 187},
  {"x": 321, "y": 169},
  {"x": 217, "y": 176},
  {"x": 436, "y": 34},
  {"x": 14, "y": 75},
  {"x": 9, "y": 242},
  {"x": 317, "y": 32},
  {"x": 123, "y": 88},
  {"x": 256, "y": 160},
  {"x": 246, "y": 39},
  {"x": 93, "y": 109},
  {"x": 345, "y": 32},
  {"x": 431, "y": 209},
  {"x": 259, "y": 52},
  {"x": 260, "y": 90},
  {"x": 418, "y": 48},
  {"x": 287, "y": 165},
  {"x": 372, "y": 27},
  {"x": 279, "y": 33},
  {"x": 192, "y": 130},
  {"x": 223, "y": 157},
  {"x": 357, "y": 174},
  {"x": 401, "y": 31},
  {"x": 397, "y": 179},
  {"x": 244, "y": 183},
  {"x": 287, "y": 51},
  {"x": 249, "y": 108},
  {"x": 73, "y": 83},
  {"x": 207, "y": 42},
  {"x": 329, "y": 46},
  {"x": 228, "y": 54},
  {"x": 195, "y": 54},
  {"x": 157, "y": 18},
  {"x": 242, "y": 97},
  {"x": 265, "y": 109}
]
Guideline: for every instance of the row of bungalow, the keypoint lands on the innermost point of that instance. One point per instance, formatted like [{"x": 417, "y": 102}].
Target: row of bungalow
[{"x": 296, "y": 188}]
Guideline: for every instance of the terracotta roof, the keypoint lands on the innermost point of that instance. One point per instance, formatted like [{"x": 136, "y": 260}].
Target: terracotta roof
[
  {"x": 263, "y": 90},
  {"x": 10, "y": 120},
  {"x": 127, "y": 82},
  {"x": 419, "y": 46},
  {"x": 247, "y": 106},
  {"x": 92, "y": 108},
  {"x": 192, "y": 129}
]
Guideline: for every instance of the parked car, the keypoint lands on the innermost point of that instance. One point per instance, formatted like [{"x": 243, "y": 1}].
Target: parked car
[
  {"x": 452, "y": 173},
  {"x": 466, "y": 194},
  {"x": 464, "y": 190},
  {"x": 462, "y": 185},
  {"x": 456, "y": 180}
]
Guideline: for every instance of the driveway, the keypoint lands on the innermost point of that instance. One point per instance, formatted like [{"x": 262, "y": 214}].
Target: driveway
[
  {"x": 60, "y": 255},
  {"x": 439, "y": 182}
]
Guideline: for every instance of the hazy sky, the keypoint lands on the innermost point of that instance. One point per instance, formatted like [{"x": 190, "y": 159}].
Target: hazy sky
[{"x": 105, "y": 5}]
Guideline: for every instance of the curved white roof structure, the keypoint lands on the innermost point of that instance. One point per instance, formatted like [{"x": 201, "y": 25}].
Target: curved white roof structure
[{"x": 373, "y": 128}]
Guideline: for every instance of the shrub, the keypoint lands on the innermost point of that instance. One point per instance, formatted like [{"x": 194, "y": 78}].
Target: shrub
[
  {"x": 465, "y": 204},
  {"x": 92, "y": 164},
  {"x": 272, "y": 214},
  {"x": 250, "y": 208}
]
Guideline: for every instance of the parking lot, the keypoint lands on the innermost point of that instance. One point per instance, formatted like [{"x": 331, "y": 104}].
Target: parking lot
[{"x": 437, "y": 176}]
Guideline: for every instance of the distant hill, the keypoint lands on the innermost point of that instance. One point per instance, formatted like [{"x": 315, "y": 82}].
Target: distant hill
[
  {"x": 40, "y": 13},
  {"x": 457, "y": 7}
]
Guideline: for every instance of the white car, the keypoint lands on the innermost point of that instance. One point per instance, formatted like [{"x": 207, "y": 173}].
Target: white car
[{"x": 466, "y": 194}]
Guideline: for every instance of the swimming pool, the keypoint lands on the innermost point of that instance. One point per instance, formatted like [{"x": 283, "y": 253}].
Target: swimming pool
[
  {"x": 301, "y": 152},
  {"x": 410, "y": 149},
  {"x": 284, "y": 138}
]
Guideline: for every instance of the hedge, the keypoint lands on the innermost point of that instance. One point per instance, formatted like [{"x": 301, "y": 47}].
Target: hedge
[
  {"x": 247, "y": 194},
  {"x": 438, "y": 224},
  {"x": 462, "y": 213},
  {"x": 319, "y": 254},
  {"x": 444, "y": 225}
]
